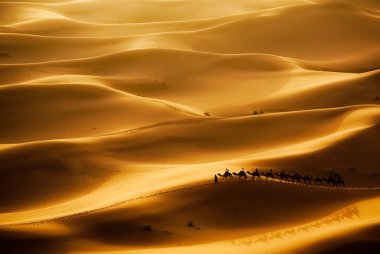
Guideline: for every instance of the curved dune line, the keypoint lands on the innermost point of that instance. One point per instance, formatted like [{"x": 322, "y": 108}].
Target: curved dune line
[
  {"x": 272, "y": 115},
  {"x": 59, "y": 7},
  {"x": 347, "y": 111},
  {"x": 235, "y": 20},
  {"x": 313, "y": 88},
  {"x": 220, "y": 20},
  {"x": 115, "y": 104},
  {"x": 132, "y": 186},
  {"x": 169, "y": 104},
  {"x": 173, "y": 22},
  {"x": 155, "y": 50},
  {"x": 169, "y": 88},
  {"x": 368, "y": 211},
  {"x": 178, "y": 38}
]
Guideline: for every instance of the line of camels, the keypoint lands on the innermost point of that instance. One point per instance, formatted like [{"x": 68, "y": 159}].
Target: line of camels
[{"x": 333, "y": 180}]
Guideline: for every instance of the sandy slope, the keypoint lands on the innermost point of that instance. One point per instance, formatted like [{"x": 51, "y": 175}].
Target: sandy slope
[
  {"x": 220, "y": 213},
  {"x": 75, "y": 110},
  {"x": 212, "y": 144},
  {"x": 151, "y": 73},
  {"x": 134, "y": 11},
  {"x": 338, "y": 43},
  {"x": 116, "y": 115}
]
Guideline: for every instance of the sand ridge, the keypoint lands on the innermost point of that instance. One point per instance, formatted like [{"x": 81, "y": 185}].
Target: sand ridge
[{"x": 116, "y": 115}]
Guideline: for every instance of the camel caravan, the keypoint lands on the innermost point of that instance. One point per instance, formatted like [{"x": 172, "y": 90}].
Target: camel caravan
[{"x": 332, "y": 180}]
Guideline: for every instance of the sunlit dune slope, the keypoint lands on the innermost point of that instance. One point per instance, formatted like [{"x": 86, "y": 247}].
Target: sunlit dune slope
[
  {"x": 217, "y": 211},
  {"x": 360, "y": 89},
  {"x": 228, "y": 138},
  {"x": 338, "y": 44},
  {"x": 349, "y": 220},
  {"x": 116, "y": 115},
  {"x": 353, "y": 157},
  {"x": 135, "y": 11},
  {"x": 249, "y": 82},
  {"x": 370, "y": 4},
  {"x": 216, "y": 142},
  {"x": 220, "y": 214},
  {"x": 160, "y": 64},
  {"x": 38, "y": 112}
]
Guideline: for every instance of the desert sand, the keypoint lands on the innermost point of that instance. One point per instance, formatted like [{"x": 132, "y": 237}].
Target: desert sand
[{"x": 116, "y": 115}]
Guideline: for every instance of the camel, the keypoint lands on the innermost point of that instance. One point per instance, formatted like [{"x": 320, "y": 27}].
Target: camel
[
  {"x": 268, "y": 175},
  {"x": 330, "y": 181},
  {"x": 282, "y": 176},
  {"x": 335, "y": 181},
  {"x": 227, "y": 175},
  {"x": 254, "y": 174},
  {"x": 241, "y": 174},
  {"x": 306, "y": 179},
  {"x": 341, "y": 183},
  {"x": 338, "y": 179},
  {"x": 296, "y": 177},
  {"x": 318, "y": 180}
]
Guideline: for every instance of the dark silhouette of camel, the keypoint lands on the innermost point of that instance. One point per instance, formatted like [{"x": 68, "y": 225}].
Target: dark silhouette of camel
[
  {"x": 307, "y": 179},
  {"x": 255, "y": 174},
  {"x": 341, "y": 183},
  {"x": 296, "y": 177},
  {"x": 332, "y": 180},
  {"x": 338, "y": 179},
  {"x": 227, "y": 175},
  {"x": 282, "y": 176},
  {"x": 268, "y": 175},
  {"x": 318, "y": 180},
  {"x": 241, "y": 175}
]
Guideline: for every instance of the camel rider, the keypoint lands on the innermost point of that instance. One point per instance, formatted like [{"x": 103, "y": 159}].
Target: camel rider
[
  {"x": 227, "y": 170},
  {"x": 242, "y": 170}
]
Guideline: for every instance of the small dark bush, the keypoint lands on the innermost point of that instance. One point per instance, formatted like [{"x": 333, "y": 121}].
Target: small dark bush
[
  {"x": 148, "y": 228},
  {"x": 4, "y": 54},
  {"x": 190, "y": 224},
  {"x": 258, "y": 112},
  {"x": 352, "y": 169}
]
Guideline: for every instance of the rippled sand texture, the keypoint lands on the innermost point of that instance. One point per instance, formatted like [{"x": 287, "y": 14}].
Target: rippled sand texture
[{"x": 115, "y": 116}]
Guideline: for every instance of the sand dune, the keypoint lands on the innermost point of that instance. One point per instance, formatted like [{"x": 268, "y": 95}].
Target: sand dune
[
  {"x": 238, "y": 136},
  {"x": 151, "y": 149},
  {"x": 161, "y": 62},
  {"x": 351, "y": 91},
  {"x": 133, "y": 11},
  {"x": 218, "y": 214},
  {"x": 116, "y": 115},
  {"x": 371, "y": 4},
  {"x": 151, "y": 73},
  {"x": 39, "y": 112},
  {"x": 336, "y": 44}
]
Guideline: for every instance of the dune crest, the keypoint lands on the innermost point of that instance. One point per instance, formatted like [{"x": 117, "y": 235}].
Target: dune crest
[{"x": 120, "y": 117}]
